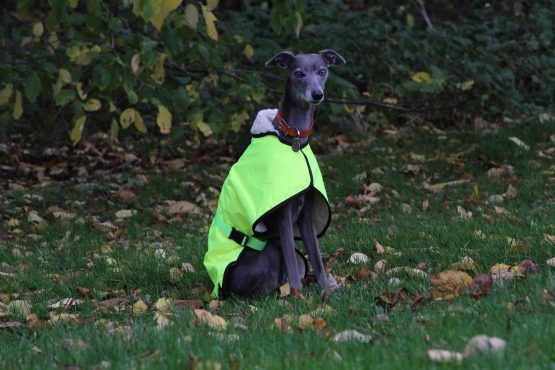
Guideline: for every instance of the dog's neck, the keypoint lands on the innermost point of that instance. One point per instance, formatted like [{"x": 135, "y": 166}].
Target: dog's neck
[{"x": 297, "y": 114}]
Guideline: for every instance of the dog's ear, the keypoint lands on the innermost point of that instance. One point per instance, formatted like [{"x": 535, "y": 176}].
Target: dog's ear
[
  {"x": 282, "y": 59},
  {"x": 332, "y": 58}
]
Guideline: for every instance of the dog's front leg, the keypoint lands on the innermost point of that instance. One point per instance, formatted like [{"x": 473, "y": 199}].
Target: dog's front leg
[
  {"x": 287, "y": 240},
  {"x": 310, "y": 240}
]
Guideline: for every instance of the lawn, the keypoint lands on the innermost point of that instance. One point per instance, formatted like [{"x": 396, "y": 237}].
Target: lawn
[{"x": 430, "y": 198}]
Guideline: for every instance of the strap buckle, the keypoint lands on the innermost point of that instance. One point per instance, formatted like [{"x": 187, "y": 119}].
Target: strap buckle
[{"x": 238, "y": 237}]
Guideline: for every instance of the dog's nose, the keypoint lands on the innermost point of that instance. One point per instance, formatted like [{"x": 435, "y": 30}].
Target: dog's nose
[{"x": 317, "y": 96}]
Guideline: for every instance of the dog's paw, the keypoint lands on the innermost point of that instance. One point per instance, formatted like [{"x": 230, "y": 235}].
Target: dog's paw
[{"x": 331, "y": 286}]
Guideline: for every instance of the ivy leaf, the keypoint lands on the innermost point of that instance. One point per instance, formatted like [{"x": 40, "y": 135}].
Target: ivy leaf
[
  {"x": 159, "y": 74},
  {"x": 191, "y": 16},
  {"x": 64, "y": 76},
  {"x": 6, "y": 94},
  {"x": 33, "y": 87},
  {"x": 210, "y": 19},
  {"x": 466, "y": 85},
  {"x": 139, "y": 123},
  {"x": 146, "y": 9},
  {"x": 77, "y": 130},
  {"x": 249, "y": 51},
  {"x": 80, "y": 92},
  {"x": 92, "y": 105},
  {"x": 38, "y": 29},
  {"x": 164, "y": 119},
  {"x": 64, "y": 97},
  {"x": 17, "y": 107},
  {"x": 127, "y": 117},
  {"x": 135, "y": 61},
  {"x": 422, "y": 77}
]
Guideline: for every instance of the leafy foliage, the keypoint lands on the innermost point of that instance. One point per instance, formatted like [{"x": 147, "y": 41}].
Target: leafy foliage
[{"x": 168, "y": 66}]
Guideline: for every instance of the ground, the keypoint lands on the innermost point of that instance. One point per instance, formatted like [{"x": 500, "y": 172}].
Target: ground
[{"x": 430, "y": 198}]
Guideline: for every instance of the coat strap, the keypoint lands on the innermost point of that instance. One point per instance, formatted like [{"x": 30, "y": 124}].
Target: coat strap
[{"x": 238, "y": 236}]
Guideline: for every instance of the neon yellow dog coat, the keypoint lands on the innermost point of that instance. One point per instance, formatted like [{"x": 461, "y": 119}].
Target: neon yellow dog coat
[{"x": 268, "y": 173}]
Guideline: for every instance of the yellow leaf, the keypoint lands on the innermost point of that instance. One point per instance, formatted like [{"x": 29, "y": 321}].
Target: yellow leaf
[
  {"x": 257, "y": 96},
  {"x": 64, "y": 75},
  {"x": 127, "y": 117},
  {"x": 159, "y": 74},
  {"x": 422, "y": 77},
  {"x": 204, "y": 128},
  {"x": 210, "y": 19},
  {"x": 171, "y": 5},
  {"x": 164, "y": 119},
  {"x": 17, "y": 107},
  {"x": 6, "y": 94},
  {"x": 191, "y": 16},
  {"x": 78, "y": 129},
  {"x": 211, "y": 320},
  {"x": 466, "y": 85},
  {"x": 135, "y": 61},
  {"x": 73, "y": 3},
  {"x": 193, "y": 93},
  {"x": 158, "y": 19},
  {"x": 391, "y": 101},
  {"x": 80, "y": 92},
  {"x": 212, "y": 4},
  {"x": 38, "y": 29},
  {"x": 139, "y": 123},
  {"x": 298, "y": 23},
  {"x": 249, "y": 51},
  {"x": 238, "y": 119},
  {"x": 92, "y": 105}
]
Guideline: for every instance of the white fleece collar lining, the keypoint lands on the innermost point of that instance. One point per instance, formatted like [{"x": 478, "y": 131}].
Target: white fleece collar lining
[{"x": 263, "y": 122}]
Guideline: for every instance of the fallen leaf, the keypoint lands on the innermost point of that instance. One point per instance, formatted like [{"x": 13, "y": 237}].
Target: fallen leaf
[
  {"x": 442, "y": 355},
  {"x": 285, "y": 290},
  {"x": 501, "y": 273},
  {"x": 511, "y": 192},
  {"x": 365, "y": 273},
  {"x": 357, "y": 258},
  {"x": 449, "y": 284},
  {"x": 528, "y": 267},
  {"x": 380, "y": 266},
  {"x": 161, "y": 319},
  {"x": 348, "y": 335},
  {"x": 33, "y": 216},
  {"x": 64, "y": 317},
  {"x": 175, "y": 274},
  {"x": 139, "y": 307},
  {"x": 210, "y": 319},
  {"x": 465, "y": 264},
  {"x": 126, "y": 213},
  {"x": 408, "y": 270},
  {"x": 519, "y": 142},
  {"x": 551, "y": 261},
  {"x": 19, "y": 308},
  {"x": 379, "y": 248},
  {"x": 305, "y": 321},
  {"x": 549, "y": 238},
  {"x": 465, "y": 215},
  {"x": 283, "y": 323},
  {"x": 500, "y": 211},
  {"x": 163, "y": 304},
  {"x": 484, "y": 344},
  {"x": 187, "y": 267},
  {"x": 181, "y": 304},
  {"x": 66, "y": 303},
  {"x": 117, "y": 304},
  {"x": 481, "y": 285},
  {"x": 181, "y": 207}
]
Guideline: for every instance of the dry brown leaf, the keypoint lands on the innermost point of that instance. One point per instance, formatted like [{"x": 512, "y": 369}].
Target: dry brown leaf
[
  {"x": 305, "y": 321},
  {"x": 379, "y": 248},
  {"x": 511, "y": 192},
  {"x": 213, "y": 321},
  {"x": 139, "y": 307},
  {"x": 161, "y": 319},
  {"x": 449, "y": 284},
  {"x": 192, "y": 304},
  {"x": 501, "y": 273},
  {"x": 481, "y": 285},
  {"x": 163, "y": 304},
  {"x": 66, "y": 303},
  {"x": 348, "y": 335},
  {"x": 465, "y": 215},
  {"x": 285, "y": 290},
  {"x": 549, "y": 238},
  {"x": 528, "y": 267},
  {"x": 408, "y": 270},
  {"x": 117, "y": 304},
  {"x": 365, "y": 273},
  {"x": 551, "y": 261},
  {"x": 182, "y": 206},
  {"x": 380, "y": 266},
  {"x": 465, "y": 264},
  {"x": 64, "y": 317},
  {"x": 283, "y": 323}
]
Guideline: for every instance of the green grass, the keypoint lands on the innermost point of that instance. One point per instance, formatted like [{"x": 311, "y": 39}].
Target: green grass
[{"x": 436, "y": 237}]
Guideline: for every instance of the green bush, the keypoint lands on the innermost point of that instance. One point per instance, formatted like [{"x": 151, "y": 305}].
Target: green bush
[{"x": 168, "y": 66}]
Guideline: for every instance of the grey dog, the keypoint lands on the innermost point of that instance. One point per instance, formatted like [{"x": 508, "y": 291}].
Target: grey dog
[{"x": 260, "y": 272}]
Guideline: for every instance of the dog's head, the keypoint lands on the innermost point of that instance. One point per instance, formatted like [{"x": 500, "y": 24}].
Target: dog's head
[{"x": 308, "y": 73}]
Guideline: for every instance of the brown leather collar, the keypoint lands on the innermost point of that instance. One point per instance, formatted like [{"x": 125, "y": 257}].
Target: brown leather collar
[{"x": 290, "y": 130}]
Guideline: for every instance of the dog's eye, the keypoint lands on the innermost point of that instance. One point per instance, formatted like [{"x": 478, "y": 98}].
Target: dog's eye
[
  {"x": 322, "y": 72},
  {"x": 298, "y": 74}
]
